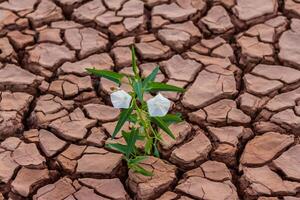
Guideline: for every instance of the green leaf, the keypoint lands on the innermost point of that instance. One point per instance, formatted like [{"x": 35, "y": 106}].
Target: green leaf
[
  {"x": 118, "y": 147},
  {"x": 141, "y": 170},
  {"x": 136, "y": 160},
  {"x": 130, "y": 138},
  {"x": 134, "y": 64},
  {"x": 148, "y": 146},
  {"x": 150, "y": 77},
  {"x": 161, "y": 124},
  {"x": 137, "y": 86},
  {"x": 171, "y": 118},
  {"x": 124, "y": 116},
  {"x": 155, "y": 150},
  {"x": 113, "y": 76},
  {"x": 132, "y": 118},
  {"x": 156, "y": 86},
  {"x": 141, "y": 137}
]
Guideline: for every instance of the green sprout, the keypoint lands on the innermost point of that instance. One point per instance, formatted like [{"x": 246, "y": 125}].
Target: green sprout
[{"x": 145, "y": 117}]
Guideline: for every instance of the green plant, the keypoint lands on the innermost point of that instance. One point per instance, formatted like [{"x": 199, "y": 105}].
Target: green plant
[{"x": 145, "y": 117}]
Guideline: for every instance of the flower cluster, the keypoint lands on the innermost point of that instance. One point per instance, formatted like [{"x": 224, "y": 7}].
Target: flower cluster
[
  {"x": 158, "y": 106},
  {"x": 146, "y": 118}
]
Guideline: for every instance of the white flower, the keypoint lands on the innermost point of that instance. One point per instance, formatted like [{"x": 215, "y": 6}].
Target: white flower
[
  {"x": 120, "y": 99},
  {"x": 158, "y": 106}
]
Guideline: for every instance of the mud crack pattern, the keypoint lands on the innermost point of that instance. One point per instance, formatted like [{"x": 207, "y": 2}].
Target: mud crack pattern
[{"x": 239, "y": 61}]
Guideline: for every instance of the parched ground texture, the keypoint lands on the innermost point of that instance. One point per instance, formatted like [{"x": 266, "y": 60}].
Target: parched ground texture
[{"x": 238, "y": 59}]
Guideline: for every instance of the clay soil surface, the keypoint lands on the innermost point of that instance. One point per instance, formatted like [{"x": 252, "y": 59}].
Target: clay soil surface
[{"x": 239, "y": 61}]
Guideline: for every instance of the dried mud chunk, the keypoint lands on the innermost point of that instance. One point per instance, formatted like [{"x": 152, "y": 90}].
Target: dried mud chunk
[
  {"x": 284, "y": 100},
  {"x": 230, "y": 134},
  {"x": 50, "y": 35},
  {"x": 168, "y": 196},
  {"x": 193, "y": 152},
  {"x": 180, "y": 131},
  {"x": 249, "y": 10},
  {"x": 72, "y": 127},
  {"x": 20, "y": 40},
  {"x": 49, "y": 108},
  {"x": 265, "y": 33},
  {"x": 187, "y": 27},
  {"x": 263, "y": 181},
  {"x": 215, "y": 171},
  {"x": 211, "y": 181},
  {"x": 65, "y": 24},
  {"x": 17, "y": 79},
  {"x": 264, "y": 148},
  {"x": 89, "y": 11},
  {"x": 82, "y": 83},
  {"x": 108, "y": 18},
  {"x": 87, "y": 192},
  {"x": 70, "y": 85},
  {"x": 276, "y": 72},
  {"x": 263, "y": 127},
  {"x": 7, "y": 18},
  {"x": 13, "y": 107},
  {"x": 224, "y": 51},
  {"x": 98, "y": 61},
  {"x": 122, "y": 56},
  {"x": 208, "y": 88},
  {"x": 49, "y": 143},
  {"x": 173, "y": 12},
  {"x": 249, "y": 103},
  {"x": 58, "y": 190},
  {"x": 288, "y": 120},
  {"x": 217, "y": 20},
  {"x": 111, "y": 188},
  {"x": 7, "y": 51},
  {"x": 253, "y": 48},
  {"x": 68, "y": 159},
  {"x": 102, "y": 113},
  {"x": 289, "y": 48},
  {"x": 46, "y": 12},
  {"x": 21, "y": 7},
  {"x": 289, "y": 163},
  {"x": 114, "y": 4},
  {"x": 7, "y": 166},
  {"x": 292, "y": 7},
  {"x": 181, "y": 69},
  {"x": 132, "y": 23},
  {"x": 87, "y": 41},
  {"x": 11, "y": 143},
  {"x": 153, "y": 50},
  {"x": 149, "y": 187},
  {"x": 132, "y": 8},
  {"x": 100, "y": 162},
  {"x": 29, "y": 179},
  {"x": 44, "y": 58},
  {"x": 179, "y": 36},
  {"x": 260, "y": 86},
  {"x": 225, "y": 153},
  {"x": 236, "y": 116},
  {"x": 217, "y": 112},
  {"x": 208, "y": 60},
  {"x": 28, "y": 155}
]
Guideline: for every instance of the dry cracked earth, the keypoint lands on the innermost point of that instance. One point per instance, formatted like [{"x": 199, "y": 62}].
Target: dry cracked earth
[{"x": 238, "y": 59}]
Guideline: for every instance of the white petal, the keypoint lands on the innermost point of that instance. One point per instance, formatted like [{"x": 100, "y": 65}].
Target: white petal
[
  {"x": 158, "y": 106},
  {"x": 120, "y": 99}
]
